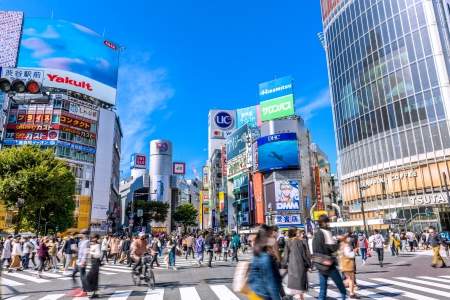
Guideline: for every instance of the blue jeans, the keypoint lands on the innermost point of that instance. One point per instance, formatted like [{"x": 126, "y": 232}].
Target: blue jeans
[
  {"x": 336, "y": 277},
  {"x": 172, "y": 258},
  {"x": 363, "y": 252}
]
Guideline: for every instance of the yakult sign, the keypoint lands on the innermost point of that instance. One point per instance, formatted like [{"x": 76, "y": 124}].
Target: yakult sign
[{"x": 78, "y": 83}]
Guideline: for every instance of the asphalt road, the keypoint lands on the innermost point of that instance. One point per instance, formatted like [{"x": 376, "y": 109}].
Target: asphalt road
[{"x": 409, "y": 276}]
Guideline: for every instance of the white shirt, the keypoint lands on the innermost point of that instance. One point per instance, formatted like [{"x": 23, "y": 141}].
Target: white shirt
[
  {"x": 377, "y": 240},
  {"x": 95, "y": 251}
]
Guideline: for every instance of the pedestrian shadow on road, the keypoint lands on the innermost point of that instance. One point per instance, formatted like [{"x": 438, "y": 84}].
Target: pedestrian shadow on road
[
  {"x": 370, "y": 272},
  {"x": 175, "y": 284},
  {"x": 218, "y": 280}
]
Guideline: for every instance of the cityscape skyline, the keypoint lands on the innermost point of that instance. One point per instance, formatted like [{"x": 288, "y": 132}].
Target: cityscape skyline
[{"x": 162, "y": 85}]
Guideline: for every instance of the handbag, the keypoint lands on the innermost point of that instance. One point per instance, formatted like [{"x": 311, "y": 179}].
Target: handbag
[{"x": 322, "y": 262}]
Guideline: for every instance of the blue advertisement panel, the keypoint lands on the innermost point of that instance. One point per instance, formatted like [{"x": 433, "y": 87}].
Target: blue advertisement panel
[
  {"x": 248, "y": 115},
  {"x": 277, "y": 152},
  {"x": 236, "y": 142},
  {"x": 275, "y": 88},
  {"x": 65, "y": 46}
]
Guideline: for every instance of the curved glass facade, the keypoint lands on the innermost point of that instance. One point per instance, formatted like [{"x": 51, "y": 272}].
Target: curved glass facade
[{"x": 388, "y": 72}]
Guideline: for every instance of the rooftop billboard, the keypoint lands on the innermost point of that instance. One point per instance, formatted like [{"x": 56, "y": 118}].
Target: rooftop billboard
[
  {"x": 277, "y": 99},
  {"x": 74, "y": 57},
  {"x": 278, "y": 152},
  {"x": 248, "y": 115},
  {"x": 236, "y": 142}
]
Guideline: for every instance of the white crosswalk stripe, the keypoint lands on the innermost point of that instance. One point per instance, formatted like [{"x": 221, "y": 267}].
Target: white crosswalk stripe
[
  {"x": 223, "y": 293},
  {"x": 392, "y": 290},
  {"x": 157, "y": 294},
  {"x": 189, "y": 293},
  {"x": 434, "y": 279},
  {"x": 45, "y": 274},
  {"x": 434, "y": 284},
  {"x": 52, "y": 297},
  {"x": 414, "y": 287},
  {"x": 17, "y": 298},
  {"x": 9, "y": 282},
  {"x": 121, "y": 295},
  {"x": 27, "y": 277}
]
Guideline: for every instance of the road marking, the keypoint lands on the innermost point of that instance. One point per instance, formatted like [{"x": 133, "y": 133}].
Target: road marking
[
  {"x": 223, "y": 293},
  {"x": 445, "y": 276},
  {"x": 121, "y": 295},
  {"x": 189, "y": 293},
  {"x": 394, "y": 291},
  {"x": 116, "y": 266},
  {"x": 9, "y": 282},
  {"x": 434, "y": 278},
  {"x": 330, "y": 293},
  {"x": 52, "y": 297},
  {"x": 116, "y": 270},
  {"x": 439, "y": 285},
  {"x": 414, "y": 287},
  {"x": 17, "y": 298},
  {"x": 46, "y": 274},
  {"x": 27, "y": 277},
  {"x": 369, "y": 294},
  {"x": 157, "y": 294}
]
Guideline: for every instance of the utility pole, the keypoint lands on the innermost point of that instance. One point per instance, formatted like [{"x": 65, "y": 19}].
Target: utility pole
[
  {"x": 362, "y": 205},
  {"x": 446, "y": 186}
]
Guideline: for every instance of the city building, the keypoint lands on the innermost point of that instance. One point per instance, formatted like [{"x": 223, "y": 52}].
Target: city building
[
  {"x": 389, "y": 65},
  {"x": 263, "y": 166},
  {"x": 68, "y": 107}
]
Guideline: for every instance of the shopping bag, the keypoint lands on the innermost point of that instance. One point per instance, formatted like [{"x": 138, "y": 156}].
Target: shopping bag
[{"x": 240, "y": 277}]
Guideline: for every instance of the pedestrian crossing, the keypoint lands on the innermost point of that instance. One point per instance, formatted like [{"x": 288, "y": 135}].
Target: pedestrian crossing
[{"x": 419, "y": 287}]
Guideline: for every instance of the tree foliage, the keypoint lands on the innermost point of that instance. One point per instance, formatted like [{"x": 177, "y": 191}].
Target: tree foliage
[
  {"x": 186, "y": 215},
  {"x": 152, "y": 210},
  {"x": 40, "y": 186}
]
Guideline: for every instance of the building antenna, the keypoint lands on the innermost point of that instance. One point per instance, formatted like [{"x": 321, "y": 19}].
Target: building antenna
[{"x": 52, "y": 15}]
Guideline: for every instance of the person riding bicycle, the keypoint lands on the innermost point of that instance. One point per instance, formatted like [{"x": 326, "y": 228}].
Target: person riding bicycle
[{"x": 138, "y": 249}]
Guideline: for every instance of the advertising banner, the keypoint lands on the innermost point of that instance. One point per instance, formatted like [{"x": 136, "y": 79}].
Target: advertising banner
[
  {"x": 179, "y": 168},
  {"x": 34, "y": 118},
  {"x": 34, "y": 127},
  {"x": 278, "y": 151},
  {"x": 258, "y": 193},
  {"x": 138, "y": 161},
  {"x": 71, "y": 49},
  {"x": 320, "y": 205},
  {"x": 75, "y": 122},
  {"x": 223, "y": 160},
  {"x": 287, "y": 195},
  {"x": 240, "y": 181},
  {"x": 205, "y": 177},
  {"x": 32, "y": 142},
  {"x": 221, "y": 201},
  {"x": 236, "y": 142},
  {"x": 221, "y": 123},
  {"x": 159, "y": 187},
  {"x": 276, "y": 88},
  {"x": 82, "y": 133},
  {"x": 83, "y": 111},
  {"x": 248, "y": 115},
  {"x": 237, "y": 165},
  {"x": 10, "y": 30},
  {"x": 36, "y": 135},
  {"x": 277, "y": 108}
]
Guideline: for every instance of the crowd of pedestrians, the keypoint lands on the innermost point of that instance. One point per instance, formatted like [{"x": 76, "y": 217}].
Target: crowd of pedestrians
[{"x": 333, "y": 256}]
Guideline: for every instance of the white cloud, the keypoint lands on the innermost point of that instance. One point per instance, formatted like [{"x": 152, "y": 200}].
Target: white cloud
[
  {"x": 141, "y": 92},
  {"x": 307, "y": 110}
]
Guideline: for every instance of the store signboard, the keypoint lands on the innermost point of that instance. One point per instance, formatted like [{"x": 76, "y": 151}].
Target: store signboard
[
  {"x": 179, "y": 168},
  {"x": 24, "y": 74},
  {"x": 138, "y": 161},
  {"x": 248, "y": 115},
  {"x": 236, "y": 142},
  {"x": 205, "y": 177},
  {"x": 75, "y": 122},
  {"x": 277, "y": 108},
  {"x": 288, "y": 220},
  {"x": 34, "y": 118},
  {"x": 83, "y": 111},
  {"x": 221, "y": 123},
  {"x": 237, "y": 165}
]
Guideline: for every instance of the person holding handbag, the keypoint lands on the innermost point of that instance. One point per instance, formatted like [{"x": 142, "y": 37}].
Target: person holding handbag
[
  {"x": 296, "y": 261},
  {"x": 324, "y": 248},
  {"x": 347, "y": 264}
]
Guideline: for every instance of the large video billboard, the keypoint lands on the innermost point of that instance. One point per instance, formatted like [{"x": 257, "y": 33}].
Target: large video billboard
[
  {"x": 277, "y": 98},
  {"x": 236, "y": 142},
  {"x": 75, "y": 57},
  {"x": 278, "y": 151}
]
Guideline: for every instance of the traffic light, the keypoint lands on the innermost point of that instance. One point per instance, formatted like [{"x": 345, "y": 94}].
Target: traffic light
[{"x": 19, "y": 86}]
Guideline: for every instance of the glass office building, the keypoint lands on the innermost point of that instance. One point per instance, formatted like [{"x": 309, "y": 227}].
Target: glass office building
[{"x": 388, "y": 64}]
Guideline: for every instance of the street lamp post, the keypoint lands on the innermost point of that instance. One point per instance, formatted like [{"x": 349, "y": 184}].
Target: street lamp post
[{"x": 362, "y": 204}]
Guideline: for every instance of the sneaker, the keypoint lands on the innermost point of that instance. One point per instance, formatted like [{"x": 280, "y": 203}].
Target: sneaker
[
  {"x": 81, "y": 294},
  {"x": 74, "y": 292}
]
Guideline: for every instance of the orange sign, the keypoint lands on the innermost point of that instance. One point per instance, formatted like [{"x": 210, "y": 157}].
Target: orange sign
[{"x": 258, "y": 192}]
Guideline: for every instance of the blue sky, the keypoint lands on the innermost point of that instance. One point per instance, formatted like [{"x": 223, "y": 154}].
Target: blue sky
[{"x": 185, "y": 57}]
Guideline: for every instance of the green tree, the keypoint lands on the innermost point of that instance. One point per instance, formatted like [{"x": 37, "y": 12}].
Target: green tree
[
  {"x": 152, "y": 210},
  {"x": 40, "y": 186},
  {"x": 186, "y": 215}
]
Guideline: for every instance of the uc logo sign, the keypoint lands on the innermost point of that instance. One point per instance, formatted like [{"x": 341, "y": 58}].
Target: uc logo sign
[{"x": 223, "y": 120}]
